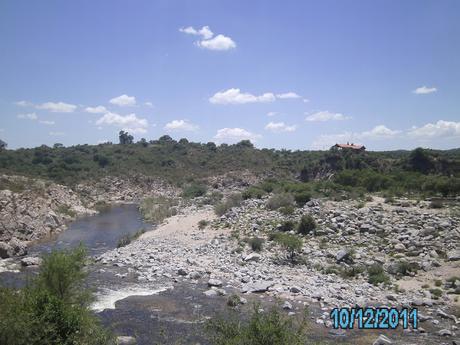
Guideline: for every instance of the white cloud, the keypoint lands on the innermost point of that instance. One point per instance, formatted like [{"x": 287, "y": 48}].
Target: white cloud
[
  {"x": 322, "y": 116},
  {"x": 231, "y": 135},
  {"x": 148, "y": 104},
  {"x": 209, "y": 41},
  {"x": 47, "y": 122},
  {"x": 180, "y": 125},
  {"x": 235, "y": 96},
  {"x": 272, "y": 113},
  {"x": 204, "y": 32},
  {"x": 23, "y": 103},
  {"x": 220, "y": 42},
  {"x": 277, "y": 127},
  {"x": 130, "y": 123},
  {"x": 379, "y": 131},
  {"x": 29, "y": 116},
  {"x": 423, "y": 90},
  {"x": 57, "y": 107},
  {"x": 305, "y": 100},
  {"x": 124, "y": 101},
  {"x": 57, "y": 134},
  {"x": 435, "y": 130},
  {"x": 288, "y": 95},
  {"x": 100, "y": 109}
]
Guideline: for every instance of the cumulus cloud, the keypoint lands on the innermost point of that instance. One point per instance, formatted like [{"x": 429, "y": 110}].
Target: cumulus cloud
[
  {"x": 100, "y": 109},
  {"x": 436, "y": 130},
  {"x": 47, "y": 122},
  {"x": 124, "y": 101},
  {"x": 29, "y": 116},
  {"x": 288, "y": 95},
  {"x": 220, "y": 42},
  {"x": 272, "y": 113},
  {"x": 180, "y": 125},
  {"x": 204, "y": 32},
  {"x": 57, "y": 107},
  {"x": 209, "y": 41},
  {"x": 379, "y": 131},
  {"x": 278, "y": 127},
  {"x": 232, "y": 135},
  {"x": 423, "y": 90},
  {"x": 235, "y": 96},
  {"x": 323, "y": 116},
  {"x": 148, "y": 104},
  {"x": 130, "y": 123}
]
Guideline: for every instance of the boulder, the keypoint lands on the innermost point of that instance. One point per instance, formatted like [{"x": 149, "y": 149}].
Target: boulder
[
  {"x": 252, "y": 257},
  {"x": 260, "y": 286},
  {"x": 31, "y": 261},
  {"x": 6, "y": 250},
  {"x": 453, "y": 255},
  {"x": 126, "y": 340},
  {"x": 215, "y": 282}
]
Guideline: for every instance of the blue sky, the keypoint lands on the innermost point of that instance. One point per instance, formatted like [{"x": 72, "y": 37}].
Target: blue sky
[{"x": 284, "y": 74}]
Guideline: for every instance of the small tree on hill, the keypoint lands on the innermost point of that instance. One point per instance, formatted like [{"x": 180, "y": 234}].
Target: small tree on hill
[
  {"x": 306, "y": 224},
  {"x": 125, "y": 138}
]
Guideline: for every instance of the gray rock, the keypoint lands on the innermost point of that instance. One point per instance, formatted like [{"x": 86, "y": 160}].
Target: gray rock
[
  {"x": 261, "y": 286},
  {"x": 252, "y": 257},
  {"x": 126, "y": 340},
  {"x": 31, "y": 261},
  {"x": 6, "y": 250},
  {"x": 295, "y": 289},
  {"x": 195, "y": 275},
  {"x": 453, "y": 255},
  {"x": 445, "y": 333},
  {"x": 342, "y": 255},
  {"x": 210, "y": 293},
  {"x": 287, "y": 305},
  {"x": 215, "y": 282},
  {"x": 382, "y": 340},
  {"x": 182, "y": 272}
]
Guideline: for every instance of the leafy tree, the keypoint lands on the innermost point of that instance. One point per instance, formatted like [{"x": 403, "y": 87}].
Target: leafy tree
[
  {"x": 58, "y": 146},
  {"x": 143, "y": 142},
  {"x": 304, "y": 174},
  {"x": 3, "y": 145},
  {"x": 245, "y": 144},
  {"x": 291, "y": 243},
  {"x": 165, "y": 139},
  {"x": 420, "y": 160},
  {"x": 125, "y": 138}
]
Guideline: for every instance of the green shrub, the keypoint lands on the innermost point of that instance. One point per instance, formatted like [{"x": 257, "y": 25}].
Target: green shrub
[
  {"x": 256, "y": 243},
  {"x": 306, "y": 225},
  {"x": 280, "y": 200},
  {"x": 261, "y": 328},
  {"x": 203, "y": 224},
  {"x": 291, "y": 243},
  {"x": 194, "y": 190},
  {"x": 286, "y": 210},
  {"x": 66, "y": 210},
  {"x": 287, "y": 225},
  {"x": 233, "y": 200},
  {"x": 436, "y": 293},
  {"x": 233, "y": 300},
  {"x": 301, "y": 198},
  {"x": 377, "y": 275},
  {"x": 53, "y": 308},
  {"x": 253, "y": 193},
  {"x": 156, "y": 209}
]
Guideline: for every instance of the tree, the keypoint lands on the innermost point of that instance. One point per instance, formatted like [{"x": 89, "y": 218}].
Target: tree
[
  {"x": 291, "y": 243},
  {"x": 420, "y": 160},
  {"x": 245, "y": 144},
  {"x": 165, "y": 139},
  {"x": 143, "y": 142},
  {"x": 3, "y": 145},
  {"x": 304, "y": 174},
  {"x": 125, "y": 138},
  {"x": 211, "y": 146},
  {"x": 58, "y": 146},
  {"x": 306, "y": 224}
]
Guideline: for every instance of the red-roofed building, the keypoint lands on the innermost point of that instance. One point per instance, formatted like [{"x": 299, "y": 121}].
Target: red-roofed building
[{"x": 349, "y": 146}]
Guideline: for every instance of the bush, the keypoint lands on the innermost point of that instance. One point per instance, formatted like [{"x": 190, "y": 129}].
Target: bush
[
  {"x": 66, "y": 210},
  {"x": 256, "y": 243},
  {"x": 302, "y": 198},
  {"x": 291, "y": 243},
  {"x": 287, "y": 225},
  {"x": 253, "y": 193},
  {"x": 127, "y": 239},
  {"x": 286, "y": 210},
  {"x": 377, "y": 274},
  {"x": 280, "y": 200},
  {"x": 262, "y": 328},
  {"x": 194, "y": 191},
  {"x": 306, "y": 225},
  {"x": 203, "y": 224},
  {"x": 233, "y": 200},
  {"x": 156, "y": 209},
  {"x": 53, "y": 308}
]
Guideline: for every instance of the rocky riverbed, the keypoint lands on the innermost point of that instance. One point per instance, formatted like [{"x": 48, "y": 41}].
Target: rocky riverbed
[{"x": 423, "y": 240}]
